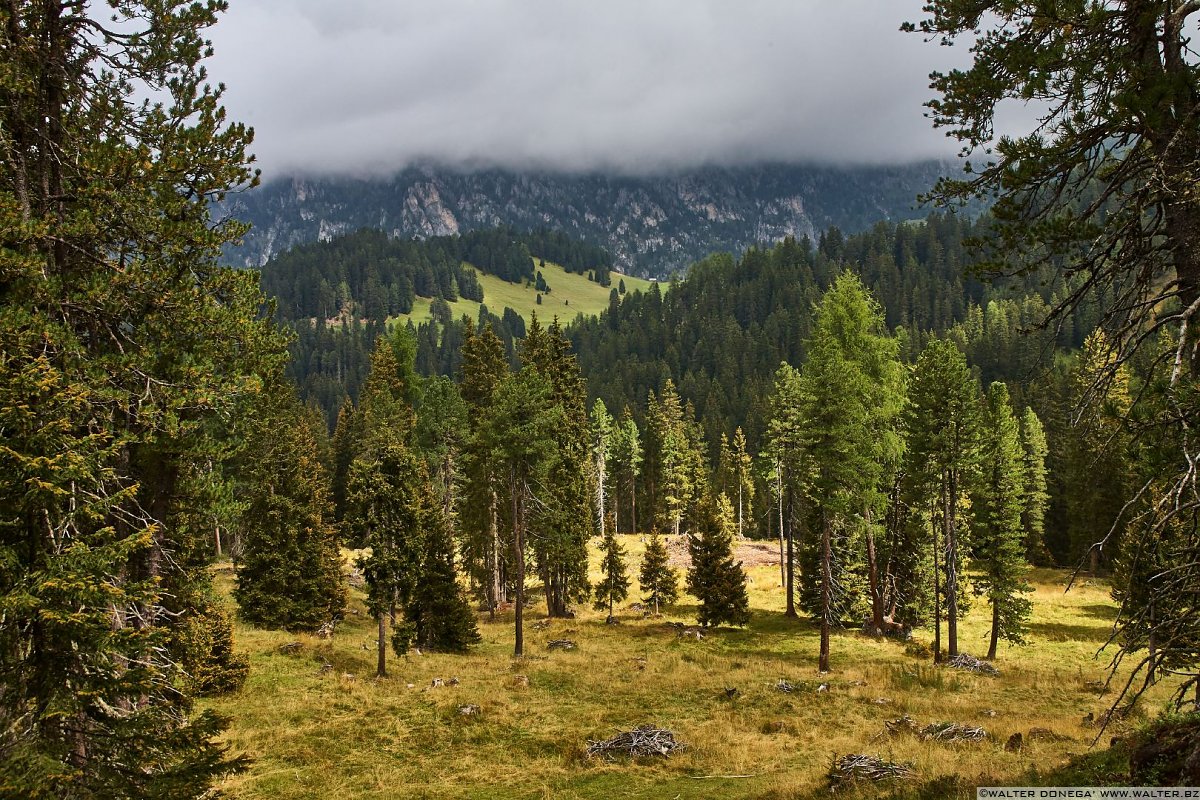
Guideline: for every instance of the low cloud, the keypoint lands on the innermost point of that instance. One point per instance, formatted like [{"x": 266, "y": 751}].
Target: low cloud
[{"x": 367, "y": 86}]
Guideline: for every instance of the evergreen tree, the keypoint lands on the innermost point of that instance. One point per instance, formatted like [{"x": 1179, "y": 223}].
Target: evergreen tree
[
  {"x": 124, "y": 350},
  {"x": 437, "y": 613},
  {"x": 483, "y": 368},
  {"x": 785, "y": 447},
  {"x": 1033, "y": 516},
  {"x": 289, "y": 571},
  {"x": 743, "y": 477},
  {"x": 1098, "y": 470},
  {"x": 626, "y": 457},
  {"x": 715, "y": 579},
  {"x": 660, "y": 584},
  {"x": 669, "y": 453},
  {"x": 518, "y": 436},
  {"x": 999, "y": 540},
  {"x": 602, "y": 442},
  {"x": 852, "y": 392},
  {"x": 943, "y": 432},
  {"x": 614, "y": 583}
]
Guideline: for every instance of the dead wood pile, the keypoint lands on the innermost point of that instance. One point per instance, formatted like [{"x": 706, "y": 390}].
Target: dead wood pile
[
  {"x": 952, "y": 732},
  {"x": 972, "y": 664},
  {"x": 560, "y": 644},
  {"x": 644, "y": 740},
  {"x": 856, "y": 766}
]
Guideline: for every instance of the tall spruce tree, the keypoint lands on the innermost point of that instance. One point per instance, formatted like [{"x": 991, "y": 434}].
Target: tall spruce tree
[
  {"x": 659, "y": 582},
  {"x": 998, "y": 535},
  {"x": 1034, "y": 450},
  {"x": 487, "y": 561},
  {"x": 852, "y": 392},
  {"x": 626, "y": 457},
  {"x": 715, "y": 579},
  {"x": 563, "y": 518},
  {"x": 614, "y": 582},
  {"x": 785, "y": 445},
  {"x": 437, "y": 614},
  {"x": 123, "y": 347},
  {"x": 289, "y": 571},
  {"x": 743, "y": 477},
  {"x": 943, "y": 443}
]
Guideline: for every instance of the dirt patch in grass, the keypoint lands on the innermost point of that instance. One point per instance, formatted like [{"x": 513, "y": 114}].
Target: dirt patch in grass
[{"x": 752, "y": 553}]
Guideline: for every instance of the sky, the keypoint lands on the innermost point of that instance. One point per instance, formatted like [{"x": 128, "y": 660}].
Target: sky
[{"x": 635, "y": 86}]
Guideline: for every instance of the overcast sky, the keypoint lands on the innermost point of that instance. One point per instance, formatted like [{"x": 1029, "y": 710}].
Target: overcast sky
[{"x": 366, "y": 86}]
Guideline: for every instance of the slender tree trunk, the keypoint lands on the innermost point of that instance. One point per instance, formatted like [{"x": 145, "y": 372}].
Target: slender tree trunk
[
  {"x": 496, "y": 591},
  {"x": 740, "y": 531},
  {"x": 790, "y": 580},
  {"x": 951, "y": 569},
  {"x": 1094, "y": 561},
  {"x": 217, "y": 537},
  {"x": 519, "y": 564},
  {"x": 600, "y": 490},
  {"x": 381, "y": 646},
  {"x": 873, "y": 578},
  {"x": 995, "y": 630},
  {"x": 826, "y": 590},
  {"x": 937, "y": 591},
  {"x": 633, "y": 505},
  {"x": 779, "y": 504}
]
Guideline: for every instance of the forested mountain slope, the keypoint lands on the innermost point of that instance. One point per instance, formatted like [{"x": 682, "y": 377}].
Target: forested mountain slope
[{"x": 652, "y": 225}]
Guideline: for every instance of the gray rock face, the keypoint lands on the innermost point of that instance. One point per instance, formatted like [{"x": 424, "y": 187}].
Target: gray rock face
[{"x": 652, "y": 225}]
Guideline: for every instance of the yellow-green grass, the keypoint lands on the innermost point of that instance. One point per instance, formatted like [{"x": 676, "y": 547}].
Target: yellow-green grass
[
  {"x": 342, "y": 733},
  {"x": 570, "y": 294}
]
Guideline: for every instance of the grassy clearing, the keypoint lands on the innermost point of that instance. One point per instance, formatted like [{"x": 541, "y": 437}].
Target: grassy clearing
[
  {"x": 570, "y": 295},
  {"x": 342, "y": 733}
]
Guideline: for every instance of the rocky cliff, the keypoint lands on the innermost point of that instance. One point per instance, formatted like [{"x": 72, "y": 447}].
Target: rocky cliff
[{"x": 652, "y": 225}]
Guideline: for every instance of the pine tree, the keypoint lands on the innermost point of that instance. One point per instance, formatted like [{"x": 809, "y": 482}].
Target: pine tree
[
  {"x": 742, "y": 477},
  {"x": 660, "y": 583},
  {"x": 1033, "y": 516},
  {"x": 999, "y": 541},
  {"x": 943, "y": 430},
  {"x": 437, "y": 613},
  {"x": 614, "y": 582},
  {"x": 125, "y": 352},
  {"x": 785, "y": 447},
  {"x": 602, "y": 441},
  {"x": 715, "y": 579},
  {"x": 288, "y": 574}
]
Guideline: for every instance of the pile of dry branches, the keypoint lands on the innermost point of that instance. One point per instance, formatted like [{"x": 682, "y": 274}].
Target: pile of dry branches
[
  {"x": 560, "y": 644},
  {"x": 905, "y": 724},
  {"x": 856, "y": 766},
  {"x": 972, "y": 664},
  {"x": 952, "y": 732},
  {"x": 644, "y": 740}
]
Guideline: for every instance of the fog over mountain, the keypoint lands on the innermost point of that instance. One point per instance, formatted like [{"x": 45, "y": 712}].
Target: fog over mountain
[{"x": 371, "y": 86}]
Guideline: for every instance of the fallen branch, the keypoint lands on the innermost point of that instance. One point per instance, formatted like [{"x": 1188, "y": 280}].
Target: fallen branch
[{"x": 972, "y": 664}]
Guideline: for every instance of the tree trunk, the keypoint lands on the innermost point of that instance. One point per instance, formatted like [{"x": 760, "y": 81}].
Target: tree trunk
[
  {"x": 995, "y": 630},
  {"x": 496, "y": 591},
  {"x": 826, "y": 591},
  {"x": 633, "y": 506},
  {"x": 873, "y": 578},
  {"x": 741, "y": 533},
  {"x": 381, "y": 645},
  {"x": 937, "y": 591},
  {"x": 782, "y": 559},
  {"x": 519, "y": 565},
  {"x": 951, "y": 569},
  {"x": 217, "y": 537},
  {"x": 790, "y": 580}
]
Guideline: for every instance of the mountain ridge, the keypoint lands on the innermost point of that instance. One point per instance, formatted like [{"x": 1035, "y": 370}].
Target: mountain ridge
[{"x": 652, "y": 225}]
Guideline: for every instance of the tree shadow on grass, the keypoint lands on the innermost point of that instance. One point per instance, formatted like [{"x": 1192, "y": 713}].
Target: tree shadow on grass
[
  {"x": 1061, "y": 632},
  {"x": 1100, "y": 611}
]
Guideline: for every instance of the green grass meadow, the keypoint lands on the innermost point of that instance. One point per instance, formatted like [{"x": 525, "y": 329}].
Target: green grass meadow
[
  {"x": 342, "y": 733},
  {"x": 570, "y": 294}
]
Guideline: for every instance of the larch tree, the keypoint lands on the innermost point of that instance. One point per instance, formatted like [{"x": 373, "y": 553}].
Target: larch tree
[
  {"x": 658, "y": 579},
  {"x": 942, "y": 423},
  {"x": 123, "y": 345},
  {"x": 852, "y": 393},
  {"x": 602, "y": 444},
  {"x": 785, "y": 445},
  {"x": 998, "y": 535}
]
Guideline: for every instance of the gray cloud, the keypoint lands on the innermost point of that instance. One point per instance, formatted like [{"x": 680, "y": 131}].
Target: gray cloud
[{"x": 369, "y": 85}]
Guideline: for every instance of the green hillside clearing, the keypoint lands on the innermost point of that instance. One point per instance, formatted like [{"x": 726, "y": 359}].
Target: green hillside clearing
[{"x": 570, "y": 294}]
